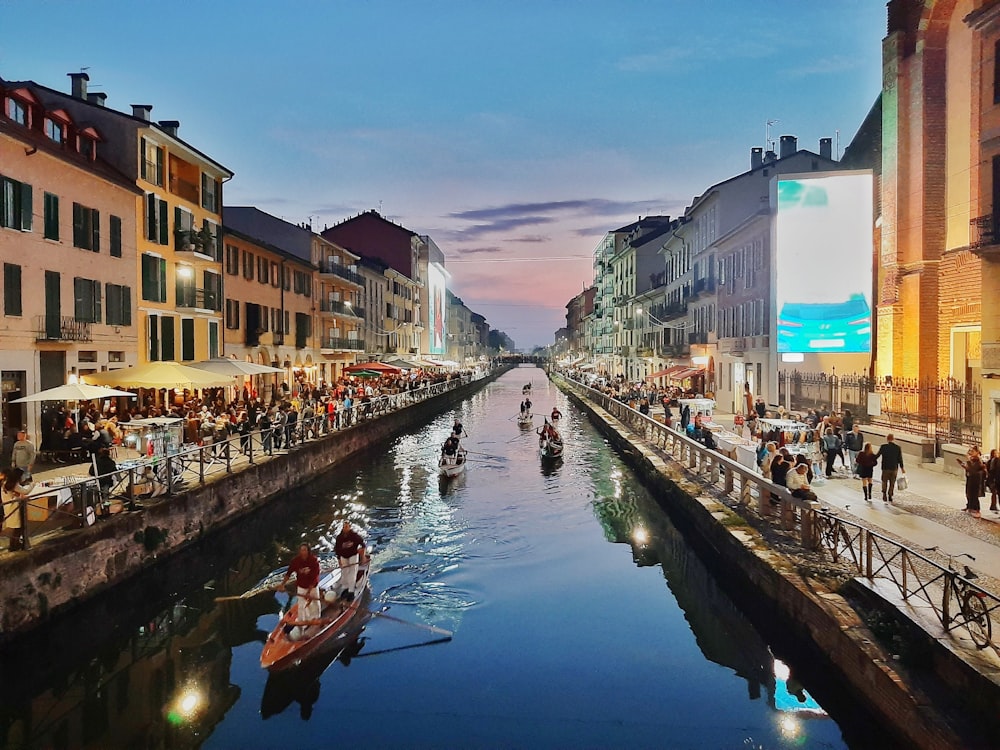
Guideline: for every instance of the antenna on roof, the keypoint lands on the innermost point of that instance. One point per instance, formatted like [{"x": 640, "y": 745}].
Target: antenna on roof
[
  {"x": 380, "y": 206},
  {"x": 837, "y": 131},
  {"x": 769, "y": 142}
]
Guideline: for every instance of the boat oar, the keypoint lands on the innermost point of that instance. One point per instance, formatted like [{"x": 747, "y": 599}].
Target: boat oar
[
  {"x": 250, "y": 593},
  {"x": 430, "y": 628},
  {"x": 488, "y": 455}
]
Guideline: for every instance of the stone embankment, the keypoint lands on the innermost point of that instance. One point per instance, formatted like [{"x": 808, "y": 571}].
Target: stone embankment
[
  {"x": 782, "y": 597},
  {"x": 51, "y": 578}
]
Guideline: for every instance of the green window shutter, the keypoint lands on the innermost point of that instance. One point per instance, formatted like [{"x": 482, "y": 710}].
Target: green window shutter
[
  {"x": 111, "y": 295},
  {"x": 154, "y": 338},
  {"x": 95, "y": 229},
  {"x": 148, "y": 277},
  {"x": 151, "y": 217},
  {"x": 204, "y": 190},
  {"x": 26, "y": 207},
  {"x": 95, "y": 293},
  {"x": 159, "y": 166},
  {"x": 167, "y": 337},
  {"x": 187, "y": 339},
  {"x": 218, "y": 197},
  {"x": 77, "y": 225},
  {"x": 164, "y": 228},
  {"x": 142, "y": 159},
  {"x": 178, "y": 227},
  {"x": 50, "y": 207},
  {"x": 126, "y": 299},
  {"x": 79, "y": 299},
  {"x": 162, "y": 268},
  {"x": 11, "y": 289},
  {"x": 116, "y": 236}
]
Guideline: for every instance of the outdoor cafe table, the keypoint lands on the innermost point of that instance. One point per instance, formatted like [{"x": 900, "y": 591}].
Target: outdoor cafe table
[
  {"x": 703, "y": 405},
  {"x": 739, "y": 449},
  {"x": 50, "y": 495}
]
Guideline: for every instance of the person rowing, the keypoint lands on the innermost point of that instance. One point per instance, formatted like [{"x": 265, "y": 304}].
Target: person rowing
[
  {"x": 450, "y": 446},
  {"x": 526, "y": 406},
  {"x": 556, "y": 414},
  {"x": 305, "y": 567},
  {"x": 350, "y": 549},
  {"x": 457, "y": 430}
]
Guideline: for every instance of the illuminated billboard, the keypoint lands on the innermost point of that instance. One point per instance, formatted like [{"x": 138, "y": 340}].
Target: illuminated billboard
[
  {"x": 823, "y": 263},
  {"x": 436, "y": 319}
]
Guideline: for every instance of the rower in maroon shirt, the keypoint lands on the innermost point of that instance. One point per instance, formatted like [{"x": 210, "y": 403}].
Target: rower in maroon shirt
[
  {"x": 350, "y": 549},
  {"x": 305, "y": 566}
]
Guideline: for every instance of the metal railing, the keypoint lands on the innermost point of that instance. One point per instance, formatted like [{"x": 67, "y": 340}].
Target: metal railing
[
  {"x": 338, "y": 308},
  {"x": 339, "y": 269},
  {"x": 336, "y": 342},
  {"x": 61, "y": 328},
  {"x": 870, "y": 554},
  {"x": 75, "y": 501},
  {"x": 203, "y": 299}
]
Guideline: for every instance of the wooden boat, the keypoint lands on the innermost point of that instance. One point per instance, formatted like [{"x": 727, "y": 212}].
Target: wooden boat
[
  {"x": 550, "y": 447},
  {"x": 452, "y": 466},
  {"x": 524, "y": 420},
  {"x": 526, "y": 390},
  {"x": 294, "y": 640}
]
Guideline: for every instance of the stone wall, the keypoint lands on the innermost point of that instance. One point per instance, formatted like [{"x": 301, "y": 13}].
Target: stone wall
[{"x": 52, "y": 577}]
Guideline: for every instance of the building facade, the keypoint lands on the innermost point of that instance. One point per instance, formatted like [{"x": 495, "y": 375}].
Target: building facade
[{"x": 68, "y": 249}]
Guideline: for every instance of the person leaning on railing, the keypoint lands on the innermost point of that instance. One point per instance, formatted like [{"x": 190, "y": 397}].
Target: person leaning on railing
[{"x": 13, "y": 491}]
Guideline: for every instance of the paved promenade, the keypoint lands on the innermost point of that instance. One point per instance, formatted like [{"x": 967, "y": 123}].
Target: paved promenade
[{"x": 927, "y": 514}]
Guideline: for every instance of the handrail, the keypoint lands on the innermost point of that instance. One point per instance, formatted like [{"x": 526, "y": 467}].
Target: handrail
[
  {"x": 872, "y": 554},
  {"x": 169, "y": 475}
]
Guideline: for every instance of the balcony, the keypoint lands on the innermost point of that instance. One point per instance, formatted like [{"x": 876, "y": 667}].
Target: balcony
[
  {"x": 341, "y": 344},
  {"x": 342, "y": 271},
  {"x": 698, "y": 337},
  {"x": 183, "y": 188},
  {"x": 56, "y": 328},
  {"x": 335, "y": 307},
  {"x": 199, "y": 241},
  {"x": 983, "y": 232},
  {"x": 201, "y": 299},
  {"x": 673, "y": 310},
  {"x": 644, "y": 351},
  {"x": 670, "y": 351}
]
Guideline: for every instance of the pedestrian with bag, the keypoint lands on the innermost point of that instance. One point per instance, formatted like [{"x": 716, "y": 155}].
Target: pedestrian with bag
[
  {"x": 891, "y": 456},
  {"x": 975, "y": 480}
]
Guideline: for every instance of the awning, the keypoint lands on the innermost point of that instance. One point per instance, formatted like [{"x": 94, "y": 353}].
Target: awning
[
  {"x": 372, "y": 366},
  {"x": 588, "y": 366},
  {"x": 686, "y": 373},
  {"x": 667, "y": 373}
]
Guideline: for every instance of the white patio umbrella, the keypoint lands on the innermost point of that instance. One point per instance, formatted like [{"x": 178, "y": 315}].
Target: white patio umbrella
[
  {"x": 234, "y": 367},
  {"x": 160, "y": 375},
  {"x": 73, "y": 392}
]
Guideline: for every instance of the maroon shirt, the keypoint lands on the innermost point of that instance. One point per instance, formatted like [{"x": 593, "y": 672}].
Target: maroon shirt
[
  {"x": 348, "y": 544},
  {"x": 305, "y": 580}
]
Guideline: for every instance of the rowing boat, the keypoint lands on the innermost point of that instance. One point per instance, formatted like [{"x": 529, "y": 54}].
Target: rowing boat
[
  {"x": 452, "y": 466},
  {"x": 294, "y": 640},
  {"x": 550, "y": 447},
  {"x": 524, "y": 419}
]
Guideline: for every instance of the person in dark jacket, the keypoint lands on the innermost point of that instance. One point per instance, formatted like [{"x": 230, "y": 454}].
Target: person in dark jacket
[
  {"x": 891, "y": 456},
  {"x": 975, "y": 480},
  {"x": 993, "y": 478},
  {"x": 864, "y": 464}
]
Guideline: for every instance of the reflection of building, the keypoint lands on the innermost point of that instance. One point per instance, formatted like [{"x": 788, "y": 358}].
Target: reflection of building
[
  {"x": 67, "y": 244},
  {"x": 177, "y": 223}
]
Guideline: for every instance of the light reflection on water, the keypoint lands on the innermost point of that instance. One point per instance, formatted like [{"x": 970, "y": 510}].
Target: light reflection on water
[{"x": 559, "y": 639}]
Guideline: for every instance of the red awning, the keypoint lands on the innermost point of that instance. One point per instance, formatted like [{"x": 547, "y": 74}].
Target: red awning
[
  {"x": 372, "y": 366},
  {"x": 685, "y": 373},
  {"x": 666, "y": 373}
]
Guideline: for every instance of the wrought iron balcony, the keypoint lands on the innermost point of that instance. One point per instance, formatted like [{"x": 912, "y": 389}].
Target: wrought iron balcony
[
  {"x": 335, "y": 342},
  {"x": 339, "y": 269},
  {"x": 984, "y": 231},
  {"x": 340, "y": 308},
  {"x": 202, "y": 299},
  {"x": 60, "y": 328}
]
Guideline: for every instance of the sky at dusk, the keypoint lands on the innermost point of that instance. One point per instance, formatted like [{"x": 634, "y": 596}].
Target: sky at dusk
[{"x": 514, "y": 133}]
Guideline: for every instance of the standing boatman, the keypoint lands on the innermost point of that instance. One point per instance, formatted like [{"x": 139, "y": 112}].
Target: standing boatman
[
  {"x": 305, "y": 566},
  {"x": 350, "y": 549}
]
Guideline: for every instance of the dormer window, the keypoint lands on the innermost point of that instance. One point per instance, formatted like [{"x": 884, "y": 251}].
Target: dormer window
[
  {"x": 87, "y": 147},
  {"x": 17, "y": 112},
  {"x": 54, "y": 130}
]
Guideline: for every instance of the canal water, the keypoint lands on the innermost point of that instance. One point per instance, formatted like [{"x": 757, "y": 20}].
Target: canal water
[{"x": 581, "y": 618}]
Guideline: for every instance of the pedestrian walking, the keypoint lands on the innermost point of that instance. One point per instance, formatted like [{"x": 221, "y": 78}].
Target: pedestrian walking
[
  {"x": 891, "y": 456},
  {"x": 864, "y": 464},
  {"x": 975, "y": 480},
  {"x": 993, "y": 478},
  {"x": 854, "y": 441}
]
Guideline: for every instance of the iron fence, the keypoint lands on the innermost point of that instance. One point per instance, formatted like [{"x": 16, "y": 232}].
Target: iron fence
[{"x": 948, "y": 410}]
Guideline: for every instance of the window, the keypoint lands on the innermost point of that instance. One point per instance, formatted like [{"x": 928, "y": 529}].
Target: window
[
  {"x": 118, "y": 305},
  {"x": 210, "y": 191},
  {"x": 86, "y": 228},
  {"x": 232, "y": 260},
  {"x": 151, "y": 162},
  {"x": 233, "y": 314},
  {"x": 262, "y": 269},
  {"x": 51, "y": 204},
  {"x": 996, "y": 72},
  {"x": 85, "y": 356},
  {"x": 153, "y": 337},
  {"x": 248, "y": 265},
  {"x": 54, "y": 130},
  {"x": 116, "y": 356},
  {"x": 286, "y": 278},
  {"x": 303, "y": 329},
  {"x": 213, "y": 290},
  {"x": 167, "y": 338},
  {"x": 154, "y": 278},
  {"x": 275, "y": 281},
  {"x": 11, "y": 289},
  {"x": 187, "y": 339},
  {"x": 116, "y": 236},
  {"x": 213, "y": 339},
  {"x": 15, "y": 204},
  {"x": 184, "y": 238},
  {"x": 156, "y": 220},
  {"x": 301, "y": 282},
  {"x": 211, "y": 240},
  {"x": 17, "y": 112},
  {"x": 86, "y": 300}
]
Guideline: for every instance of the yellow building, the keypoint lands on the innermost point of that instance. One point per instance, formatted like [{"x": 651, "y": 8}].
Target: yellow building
[{"x": 179, "y": 278}]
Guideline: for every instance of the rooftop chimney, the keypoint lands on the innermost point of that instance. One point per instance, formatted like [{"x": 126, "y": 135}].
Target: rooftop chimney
[
  {"x": 770, "y": 156},
  {"x": 170, "y": 126},
  {"x": 79, "y": 85},
  {"x": 756, "y": 158},
  {"x": 97, "y": 98},
  {"x": 142, "y": 111},
  {"x": 826, "y": 148},
  {"x": 788, "y": 146}
]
